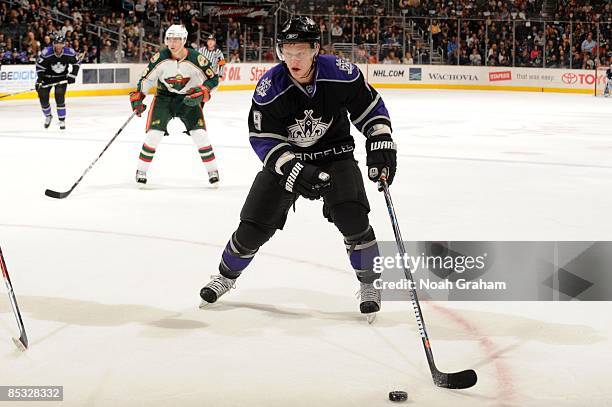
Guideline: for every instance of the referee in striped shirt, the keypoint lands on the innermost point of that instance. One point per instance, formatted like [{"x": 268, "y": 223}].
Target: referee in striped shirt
[{"x": 214, "y": 55}]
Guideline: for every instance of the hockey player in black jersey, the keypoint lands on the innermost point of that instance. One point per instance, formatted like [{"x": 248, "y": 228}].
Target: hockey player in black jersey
[
  {"x": 56, "y": 63},
  {"x": 299, "y": 128}
]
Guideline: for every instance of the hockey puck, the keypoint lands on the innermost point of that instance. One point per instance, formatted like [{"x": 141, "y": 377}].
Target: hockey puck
[{"x": 398, "y": 395}]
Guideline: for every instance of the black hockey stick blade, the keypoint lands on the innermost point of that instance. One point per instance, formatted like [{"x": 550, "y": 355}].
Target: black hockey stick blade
[
  {"x": 57, "y": 195},
  {"x": 459, "y": 380}
]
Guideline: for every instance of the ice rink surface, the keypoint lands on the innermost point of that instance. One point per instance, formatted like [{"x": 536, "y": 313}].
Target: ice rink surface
[{"x": 108, "y": 279}]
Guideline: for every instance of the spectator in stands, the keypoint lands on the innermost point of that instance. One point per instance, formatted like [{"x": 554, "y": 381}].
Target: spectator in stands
[
  {"x": 131, "y": 53},
  {"x": 148, "y": 54},
  {"x": 535, "y": 56},
  {"x": 408, "y": 60},
  {"x": 233, "y": 44},
  {"x": 436, "y": 31},
  {"x": 589, "y": 62},
  {"x": 553, "y": 62},
  {"x": 361, "y": 55},
  {"x": 268, "y": 55},
  {"x": 19, "y": 18},
  {"x": 30, "y": 42},
  {"x": 76, "y": 46},
  {"x": 503, "y": 58},
  {"x": 577, "y": 60},
  {"x": 106, "y": 53},
  {"x": 563, "y": 61},
  {"x": 472, "y": 41},
  {"x": 452, "y": 51},
  {"x": 46, "y": 42},
  {"x": 337, "y": 30},
  {"x": 391, "y": 58},
  {"x": 464, "y": 58},
  {"x": 234, "y": 58},
  {"x": 475, "y": 58},
  {"x": 588, "y": 44},
  {"x": 67, "y": 27}
]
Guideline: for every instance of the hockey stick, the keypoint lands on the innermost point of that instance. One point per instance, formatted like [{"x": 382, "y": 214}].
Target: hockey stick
[
  {"x": 22, "y": 342},
  {"x": 458, "y": 380},
  {"x": 62, "y": 195},
  {"x": 33, "y": 89}
]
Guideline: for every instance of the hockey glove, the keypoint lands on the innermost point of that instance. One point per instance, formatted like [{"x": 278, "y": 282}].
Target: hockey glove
[
  {"x": 39, "y": 83},
  {"x": 197, "y": 95},
  {"x": 305, "y": 179},
  {"x": 136, "y": 99},
  {"x": 381, "y": 154},
  {"x": 71, "y": 78}
]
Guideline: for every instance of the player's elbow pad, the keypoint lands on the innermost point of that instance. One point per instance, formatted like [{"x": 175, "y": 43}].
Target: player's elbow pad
[{"x": 378, "y": 130}]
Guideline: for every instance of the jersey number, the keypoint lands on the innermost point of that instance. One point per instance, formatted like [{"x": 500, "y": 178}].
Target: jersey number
[
  {"x": 209, "y": 72},
  {"x": 257, "y": 119}
]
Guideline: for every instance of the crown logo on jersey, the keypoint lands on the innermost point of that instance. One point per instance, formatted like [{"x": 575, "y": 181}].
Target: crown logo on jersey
[
  {"x": 344, "y": 65},
  {"x": 264, "y": 85},
  {"x": 307, "y": 131},
  {"x": 178, "y": 82},
  {"x": 58, "y": 67}
]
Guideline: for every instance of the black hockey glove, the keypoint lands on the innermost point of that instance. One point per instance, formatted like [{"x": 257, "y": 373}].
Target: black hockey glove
[
  {"x": 305, "y": 179},
  {"x": 70, "y": 78},
  {"x": 39, "y": 83},
  {"x": 381, "y": 154}
]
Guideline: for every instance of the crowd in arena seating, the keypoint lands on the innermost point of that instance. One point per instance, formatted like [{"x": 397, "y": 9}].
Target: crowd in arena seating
[{"x": 464, "y": 32}]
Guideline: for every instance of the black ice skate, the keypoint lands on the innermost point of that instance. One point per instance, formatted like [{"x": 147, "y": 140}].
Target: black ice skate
[
  {"x": 218, "y": 286},
  {"x": 62, "y": 124},
  {"x": 370, "y": 301},
  {"x": 213, "y": 177},
  {"x": 48, "y": 121},
  {"x": 141, "y": 178}
]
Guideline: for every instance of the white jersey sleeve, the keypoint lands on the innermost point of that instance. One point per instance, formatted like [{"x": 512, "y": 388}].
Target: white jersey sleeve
[{"x": 150, "y": 75}]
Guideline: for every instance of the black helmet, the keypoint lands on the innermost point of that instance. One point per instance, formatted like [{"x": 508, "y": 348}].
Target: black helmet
[
  {"x": 299, "y": 29},
  {"x": 58, "y": 38},
  {"x": 211, "y": 37}
]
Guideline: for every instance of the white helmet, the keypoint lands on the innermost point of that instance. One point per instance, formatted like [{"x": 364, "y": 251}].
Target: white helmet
[{"x": 176, "y": 31}]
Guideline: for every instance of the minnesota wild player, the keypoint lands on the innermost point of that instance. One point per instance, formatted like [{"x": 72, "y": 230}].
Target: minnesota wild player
[{"x": 183, "y": 78}]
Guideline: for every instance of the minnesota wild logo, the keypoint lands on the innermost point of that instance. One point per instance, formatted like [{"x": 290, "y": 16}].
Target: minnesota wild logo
[{"x": 178, "y": 82}]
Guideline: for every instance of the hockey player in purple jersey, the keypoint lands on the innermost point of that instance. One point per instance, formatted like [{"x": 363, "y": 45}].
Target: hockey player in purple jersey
[
  {"x": 56, "y": 63},
  {"x": 299, "y": 128}
]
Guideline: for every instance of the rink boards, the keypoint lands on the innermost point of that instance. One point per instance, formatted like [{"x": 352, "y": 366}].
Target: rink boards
[{"x": 119, "y": 79}]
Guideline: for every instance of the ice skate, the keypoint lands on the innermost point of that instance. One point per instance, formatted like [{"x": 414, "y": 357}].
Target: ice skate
[
  {"x": 213, "y": 178},
  {"x": 141, "y": 178},
  {"x": 370, "y": 301},
  {"x": 217, "y": 286},
  {"x": 62, "y": 124},
  {"x": 48, "y": 121}
]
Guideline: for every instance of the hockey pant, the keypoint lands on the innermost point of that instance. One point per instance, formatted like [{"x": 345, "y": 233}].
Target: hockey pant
[
  {"x": 60, "y": 100},
  {"x": 268, "y": 204},
  {"x": 163, "y": 109}
]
